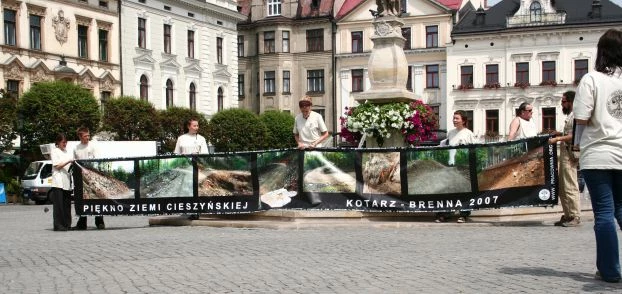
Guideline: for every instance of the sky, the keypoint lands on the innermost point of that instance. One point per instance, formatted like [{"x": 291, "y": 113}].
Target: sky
[{"x": 493, "y": 2}]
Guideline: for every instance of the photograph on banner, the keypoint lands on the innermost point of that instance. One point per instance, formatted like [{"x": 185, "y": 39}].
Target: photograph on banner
[
  {"x": 381, "y": 173},
  {"x": 519, "y": 164},
  {"x": 108, "y": 179},
  {"x": 166, "y": 177},
  {"x": 329, "y": 172},
  {"x": 438, "y": 171},
  {"x": 278, "y": 177},
  {"x": 226, "y": 175}
]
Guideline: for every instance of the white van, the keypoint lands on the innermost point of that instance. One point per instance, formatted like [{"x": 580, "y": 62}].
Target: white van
[{"x": 37, "y": 181}]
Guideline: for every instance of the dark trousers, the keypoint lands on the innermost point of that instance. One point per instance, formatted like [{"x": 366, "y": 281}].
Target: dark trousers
[
  {"x": 61, "y": 208},
  {"x": 82, "y": 221}
]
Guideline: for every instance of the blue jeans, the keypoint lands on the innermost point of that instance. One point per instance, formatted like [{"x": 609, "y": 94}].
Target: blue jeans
[{"x": 605, "y": 188}]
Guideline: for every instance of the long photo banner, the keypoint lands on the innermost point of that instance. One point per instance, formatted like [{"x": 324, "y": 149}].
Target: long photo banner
[{"x": 469, "y": 177}]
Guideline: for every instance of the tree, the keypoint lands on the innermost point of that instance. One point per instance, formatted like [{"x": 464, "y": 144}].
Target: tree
[
  {"x": 280, "y": 129},
  {"x": 49, "y": 108},
  {"x": 237, "y": 130},
  {"x": 173, "y": 121},
  {"x": 8, "y": 116},
  {"x": 131, "y": 119}
]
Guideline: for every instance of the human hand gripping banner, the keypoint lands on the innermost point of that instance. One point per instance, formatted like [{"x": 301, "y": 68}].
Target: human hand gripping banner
[{"x": 468, "y": 177}]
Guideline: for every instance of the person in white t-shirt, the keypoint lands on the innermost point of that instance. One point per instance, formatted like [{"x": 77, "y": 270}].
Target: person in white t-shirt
[
  {"x": 191, "y": 142},
  {"x": 310, "y": 131},
  {"x": 60, "y": 194},
  {"x": 86, "y": 150},
  {"x": 523, "y": 126},
  {"x": 598, "y": 132}
]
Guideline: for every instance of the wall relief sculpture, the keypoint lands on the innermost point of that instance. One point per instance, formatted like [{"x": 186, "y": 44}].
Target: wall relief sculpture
[{"x": 61, "y": 27}]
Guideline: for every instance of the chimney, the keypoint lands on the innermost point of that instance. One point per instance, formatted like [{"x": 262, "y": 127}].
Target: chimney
[{"x": 596, "y": 7}]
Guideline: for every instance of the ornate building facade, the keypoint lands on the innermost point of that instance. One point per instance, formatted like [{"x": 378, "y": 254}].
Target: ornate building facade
[{"x": 75, "y": 41}]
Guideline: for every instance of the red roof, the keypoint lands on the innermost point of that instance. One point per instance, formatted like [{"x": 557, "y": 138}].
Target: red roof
[
  {"x": 347, "y": 6},
  {"x": 451, "y": 4}
]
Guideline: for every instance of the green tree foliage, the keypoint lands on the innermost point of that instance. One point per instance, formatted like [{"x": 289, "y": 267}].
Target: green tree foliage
[
  {"x": 237, "y": 130},
  {"x": 131, "y": 119},
  {"x": 173, "y": 121},
  {"x": 50, "y": 108},
  {"x": 280, "y": 126},
  {"x": 8, "y": 115}
]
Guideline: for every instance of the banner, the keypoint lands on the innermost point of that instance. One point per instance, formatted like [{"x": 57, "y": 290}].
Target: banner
[{"x": 468, "y": 177}]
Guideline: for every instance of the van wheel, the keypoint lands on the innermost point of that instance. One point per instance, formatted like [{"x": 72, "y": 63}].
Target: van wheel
[{"x": 40, "y": 202}]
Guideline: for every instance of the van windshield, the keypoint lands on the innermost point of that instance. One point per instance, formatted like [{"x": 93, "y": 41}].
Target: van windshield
[{"x": 32, "y": 170}]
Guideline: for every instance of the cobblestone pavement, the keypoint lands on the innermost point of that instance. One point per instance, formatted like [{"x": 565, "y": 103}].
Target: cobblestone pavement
[{"x": 131, "y": 257}]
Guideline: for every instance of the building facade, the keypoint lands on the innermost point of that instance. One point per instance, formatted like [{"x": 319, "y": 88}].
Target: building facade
[
  {"x": 523, "y": 51},
  {"x": 75, "y": 41},
  {"x": 181, "y": 53},
  {"x": 286, "y": 52}
]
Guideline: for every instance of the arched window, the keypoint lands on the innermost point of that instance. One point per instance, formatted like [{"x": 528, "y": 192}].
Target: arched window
[
  {"x": 144, "y": 88},
  {"x": 535, "y": 12},
  {"x": 221, "y": 101},
  {"x": 169, "y": 93},
  {"x": 193, "y": 97}
]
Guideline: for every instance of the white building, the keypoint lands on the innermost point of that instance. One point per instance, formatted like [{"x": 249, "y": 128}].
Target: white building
[
  {"x": 181, "y": 53},
  {"x": 523, "y": 51}
]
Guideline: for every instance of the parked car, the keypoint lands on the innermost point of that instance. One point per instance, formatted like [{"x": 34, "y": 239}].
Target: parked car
[
  {"x": 37, "y": 181},
  {"x": 440, "y": 136}
]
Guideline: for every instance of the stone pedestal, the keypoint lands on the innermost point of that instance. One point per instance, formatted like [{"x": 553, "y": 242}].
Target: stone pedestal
[{"x": 396, "y": 140}]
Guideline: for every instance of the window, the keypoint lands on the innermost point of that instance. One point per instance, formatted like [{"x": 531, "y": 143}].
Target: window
[
  {"x": 167, "y": 39},
  {"x": 240, "y": 46},
  {"x": 192, "y": 97},
  {"x": 166, "y": 7},
  {"x": 104, "y": 97},
  {"x": 219, "y": 50},
  {"x": 409, "y": 80},
  {"x": 357, "y": 42},
  {"x": 9, "y": 27},
  {"x": 466, "y": 76},
  {"x": 580, "y": 69},
  {"x": 535, "y": 12},
  {"x": 12, "y": 86},
  {"x": 144, "y": 88},
  {"x": 103, "y": 45},
  {"x": 268, "y": 82},
  {"x": 142, "y": 33},
  {"x": 548, "y": 119},
  {"x": 274, "y": 7},
  {"x": 404, "y": 6},
  {"x": 315, "y": 4},
  {"x": 286, "y": 41},
  {"x": 169, "y": 93},
  {"x": 268, "y": 42},
  {"x": 469, "y": 114},
  {"x": 315, "y": 80},
  {"x": 315, "y": 40},
  {"x": 191, "y": 44},
  {"x": 492, "y": 121},
  {"x": 103, "y": 4},
  {"x": 286, "y": 84},
  {"x": 522, "y": 72},
  {"x": 357, "y": 80},
  {"x": 431, "y": 36},
  {"x": 83, "y": 41},
  {"x": 406, "y": 35},
  {"x": 35, "y": 32},
  {"x": 240, "y": 85},
  {"x": 492, "y": 74},
  {"x": 190, "y": 14},
  {"x": 548, "y": 71},
  {"x": 431, "y": 76},
  {"x": 220, "y": 99}
]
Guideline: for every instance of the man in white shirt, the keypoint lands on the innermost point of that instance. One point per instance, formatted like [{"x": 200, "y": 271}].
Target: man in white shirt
[
  {"x": 191, "y": 142},
  {"x": 86, "y": 150},
  {"x": 309, "y": 128}
]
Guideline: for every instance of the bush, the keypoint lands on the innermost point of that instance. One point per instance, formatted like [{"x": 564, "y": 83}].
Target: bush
[
  {"x": 280, "y": 129},
  {"x": 8, "y": 115},
  {"x": 237, "y": 130},
  {"x": 173, "y": 124},
  {"x": 131, "y": 119}
]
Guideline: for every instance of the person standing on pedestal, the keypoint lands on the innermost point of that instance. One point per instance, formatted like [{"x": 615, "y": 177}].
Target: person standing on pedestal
[
  {"x": 61, "y": 184},
  {"x": 86, "y": 150},
  {"x": 309, "y": 127},
  {"x": 569, "y": 195},
  {"x": 523, "y": 126}
]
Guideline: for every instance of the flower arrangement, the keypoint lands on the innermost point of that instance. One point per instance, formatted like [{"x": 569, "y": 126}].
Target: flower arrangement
[
  {"x": 415, "y": 121},
  {"x": 522, "y": 85},
  {"x": 492, "y": 86},
  {"x": 465, "y": 87},
  {"x": 549, "y": 83}
]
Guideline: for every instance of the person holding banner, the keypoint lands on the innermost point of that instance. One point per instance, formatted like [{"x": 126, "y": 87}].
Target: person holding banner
[
  {"x": 86, "y": 150},
  {"x": 598, "y": 137},
  {"x": 569, "y": 195},
  {"x": 191, "y": 142},
  {"x": 60, "y": 193},
  {"x": 309, "y": 127},
  {"x": 460, "y": 135},
  {"x": 523, "y": 126}
]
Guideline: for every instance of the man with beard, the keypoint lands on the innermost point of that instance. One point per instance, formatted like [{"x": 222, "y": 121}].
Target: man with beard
[{"x": 568, "y": 185}]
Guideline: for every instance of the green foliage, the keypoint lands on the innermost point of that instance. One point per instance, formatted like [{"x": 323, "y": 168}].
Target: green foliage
[
  {"x": 342, "y": 160},
  {"x": 8, "y": 115},
  {"x": 173, "y": 122},
  {"x": 237, "y": 130},
  {"x": 11, "y": 184},
  {"x": 131, "y": 119},
  {"x": 49, "y": 108},
  {"x": 280, "y": 129}
]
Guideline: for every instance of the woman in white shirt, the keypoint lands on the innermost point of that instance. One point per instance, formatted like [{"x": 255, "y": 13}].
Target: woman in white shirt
[{"x": 61, "y": 184}]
